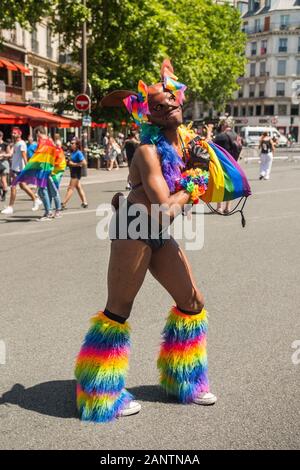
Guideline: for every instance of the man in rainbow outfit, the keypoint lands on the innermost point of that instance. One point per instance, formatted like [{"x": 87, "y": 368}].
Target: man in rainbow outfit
[{"x": 158, "y": 175}]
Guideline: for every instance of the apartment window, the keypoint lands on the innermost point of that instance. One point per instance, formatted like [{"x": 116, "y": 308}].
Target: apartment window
[
  {"x": 252, "y": 69},
  {"x": 262, "y": 68},
  {"x": 299, "y": 44},
  {"x": 267, "y": 3},
  {"x": 17, "y": 79},
  {"x": 258, "y": 110},
  {"x": 235, "y": 111},
  {"x": 283, "y": 45},
  {"x": 298, "y": 67},
  {"x": 264, "y": 46},
  {"x": 257, "y": 26},
  {"x": 261, "y": 89},
  {"x": 284, "y": 21},
  {"x": 269, "y": 110},
  {"x": 253, "y": 48},
  {"x": 280, "y": 89},
  {"x": 295, "y": 110},
  {"x": 48, "y": 42},
  {"x": 282, "y": 109},
  {"x": 281, "y": 67},
  {"x": 241, "y": 92},
  {"x": 4, "y": 75},
  {"x": 243, "y": 111},
  {"x": 34, "y": 41},
  {"x": 251, "y": 91},
  {"x": 245, "y": 27},
  {"x": 250, "y": 110}
]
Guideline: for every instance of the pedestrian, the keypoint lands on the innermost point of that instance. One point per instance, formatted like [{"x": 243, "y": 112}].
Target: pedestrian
[
  {"x": 38, "y": 172},
  {"x": 267, "y": 148},
  {"x": 18, "y": 162},
  {"x": 130, "y": 146},
  {"x": 230, "y": 141},
  {"x": 113, "y": 150},
  {"x": 76, "y": 163},
  {"x": 103, "y": 360},
  {"x": 31, "y": 147},
  {"x": 4, "y": 166},
  {"x": 58, "y": 170}
]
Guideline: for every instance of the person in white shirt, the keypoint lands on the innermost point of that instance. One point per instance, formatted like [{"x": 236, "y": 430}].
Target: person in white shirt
[{"x": 18, "y": 162}]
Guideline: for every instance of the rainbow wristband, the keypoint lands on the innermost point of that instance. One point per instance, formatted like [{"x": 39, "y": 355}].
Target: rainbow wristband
[{"x": 195, "y": 182}]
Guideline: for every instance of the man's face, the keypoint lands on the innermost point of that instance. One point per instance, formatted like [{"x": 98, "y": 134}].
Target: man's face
[
  {"x": 165, "y": 111},
  {"x": 15, "y": 135}
]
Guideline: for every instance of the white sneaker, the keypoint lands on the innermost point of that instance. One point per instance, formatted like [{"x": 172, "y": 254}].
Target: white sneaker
[
  {"x": 132, "y": 408},
  {"x": 8, "y": 210},
  {"x": 205, "y": 398},
  {"x": 36, "y": 205}
]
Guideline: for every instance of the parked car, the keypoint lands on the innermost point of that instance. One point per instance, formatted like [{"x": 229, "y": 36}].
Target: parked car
[{"x": 251, "y": 136}]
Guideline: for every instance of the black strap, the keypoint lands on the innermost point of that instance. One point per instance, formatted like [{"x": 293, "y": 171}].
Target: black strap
[{"x": 233, "y": 211}]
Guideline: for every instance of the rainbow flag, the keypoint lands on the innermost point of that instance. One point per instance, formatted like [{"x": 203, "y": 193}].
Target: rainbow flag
[
  {"x": 40, "y": 166},
  {"x": 59, "y": 165},
  {"x": 227, "y": 179}
]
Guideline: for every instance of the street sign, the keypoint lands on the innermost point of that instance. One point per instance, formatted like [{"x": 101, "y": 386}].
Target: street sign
[
  {"x": 86, "y": 121},
  {"x": 82, "y": 102}
]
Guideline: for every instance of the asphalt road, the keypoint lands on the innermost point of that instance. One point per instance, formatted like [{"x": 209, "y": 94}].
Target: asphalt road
[{"x": 53, "y": 279}]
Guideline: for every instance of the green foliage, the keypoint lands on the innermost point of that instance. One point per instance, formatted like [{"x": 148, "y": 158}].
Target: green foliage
[{"x": 128, "y": 39}]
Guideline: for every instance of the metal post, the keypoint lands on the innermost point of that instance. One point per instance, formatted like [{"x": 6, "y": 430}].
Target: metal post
[{"x": 84, "y": 133}]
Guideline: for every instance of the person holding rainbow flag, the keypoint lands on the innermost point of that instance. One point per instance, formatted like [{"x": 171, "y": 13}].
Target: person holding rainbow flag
[
  {"x": 38, "y": 171},
  {"x": 171, "y": 167}
]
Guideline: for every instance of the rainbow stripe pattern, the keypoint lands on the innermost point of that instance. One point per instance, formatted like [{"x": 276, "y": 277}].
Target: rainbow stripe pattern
[
  {"x": 59, "y": 166},
  {"x": 39, "y": 167},
  {"x": 100, "y": 370},
  {"x": 227, "y": 179},
  {"x": 175, "y": 87},
  {"x": 138, "y": 105},
  {"x": 182, "y": 360}
]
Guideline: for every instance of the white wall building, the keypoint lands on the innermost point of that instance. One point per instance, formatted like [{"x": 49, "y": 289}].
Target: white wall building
[{"x": 273, "y": 53}]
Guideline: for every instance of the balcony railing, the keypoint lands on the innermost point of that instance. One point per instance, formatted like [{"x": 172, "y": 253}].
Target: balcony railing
[{"x": 272, "y": 27}]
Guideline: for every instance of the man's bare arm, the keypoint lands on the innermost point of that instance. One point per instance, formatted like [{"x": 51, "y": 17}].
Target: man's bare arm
[{"x": 154, "y": 183}]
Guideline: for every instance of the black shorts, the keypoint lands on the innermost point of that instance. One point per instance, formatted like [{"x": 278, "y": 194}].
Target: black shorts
[
  {"x": 75, "y": 172},
  {"x": 151, "y": 232}
]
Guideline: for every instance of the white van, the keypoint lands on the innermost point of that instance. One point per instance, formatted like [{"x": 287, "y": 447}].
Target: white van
[{"x": 251, "y": 135}]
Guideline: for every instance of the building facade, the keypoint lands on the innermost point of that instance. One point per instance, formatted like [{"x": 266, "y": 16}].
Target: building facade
[
  {"x": 267, "y": 94},
  {"x": 38, "y": 53}
]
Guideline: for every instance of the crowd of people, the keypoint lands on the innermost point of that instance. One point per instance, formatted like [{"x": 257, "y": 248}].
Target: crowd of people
[{"x": 37, "y": 168}]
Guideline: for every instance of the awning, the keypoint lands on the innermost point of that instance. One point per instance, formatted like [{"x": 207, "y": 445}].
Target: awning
[
  {"x": 103, "y": 125},
  {"x": 12, "y": 65},
  {"x": 8, "y": 64},
  {"x": 21, "y": 67},
  {"x": 6, "y": 118},
  {"x": 36, "y": 117}
]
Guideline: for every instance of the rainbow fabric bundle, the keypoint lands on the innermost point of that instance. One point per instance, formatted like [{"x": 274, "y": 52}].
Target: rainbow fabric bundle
[
  {"x": 40, "y": 166},
  {"x": 227, "y": 179}
]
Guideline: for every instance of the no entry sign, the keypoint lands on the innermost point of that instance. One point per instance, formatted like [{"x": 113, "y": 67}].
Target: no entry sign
[{"x": 82, "y": 102}]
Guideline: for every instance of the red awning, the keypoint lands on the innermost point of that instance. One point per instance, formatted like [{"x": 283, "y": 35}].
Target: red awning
[
  {"x": 36, "y": 117},
  {"x": 6, "y": 118},
  {"x": 21, "y": 67},
  {"x": 103, "y": 125},
  {"x": 8, "y": 64},
  {"x": 12, "y": 65}
]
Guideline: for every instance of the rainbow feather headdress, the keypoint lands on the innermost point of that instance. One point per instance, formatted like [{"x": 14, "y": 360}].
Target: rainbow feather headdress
[
  {"x": 40, "y": 166},
  {"x": 137, "y": 104}
]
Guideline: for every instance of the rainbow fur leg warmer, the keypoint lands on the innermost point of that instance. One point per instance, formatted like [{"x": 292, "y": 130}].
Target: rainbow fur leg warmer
[
  {"x": 100, "y": 370},
  {"x": 182, "y": 360}
]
